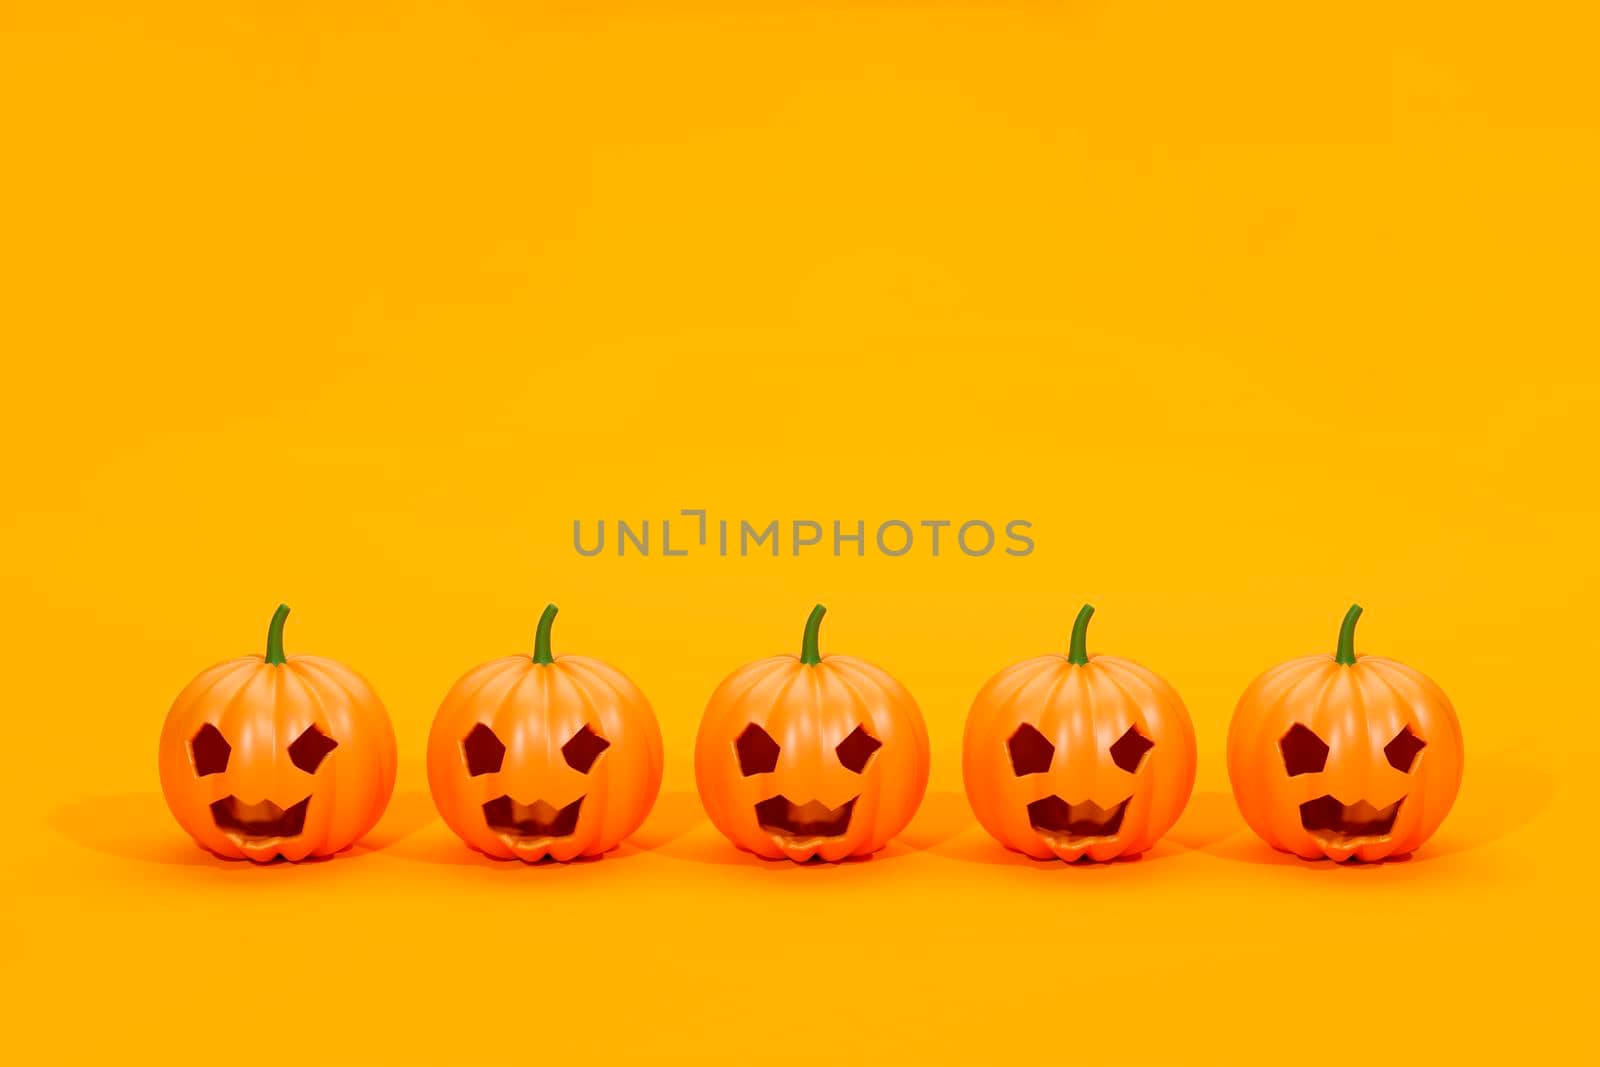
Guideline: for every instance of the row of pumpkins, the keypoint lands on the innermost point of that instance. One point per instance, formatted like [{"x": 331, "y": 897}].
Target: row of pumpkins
[{"x": 1078, "y": 757}]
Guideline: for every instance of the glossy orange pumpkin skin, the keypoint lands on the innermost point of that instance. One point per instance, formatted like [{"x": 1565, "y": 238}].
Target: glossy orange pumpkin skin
[
  {"x": 237, "y": 744},
  {"x": 1080, "y": 752},
  {"x": 806, "y": 712},
  {"x": 1374, "y": 746},
  {"x": 542, "y": 714}
]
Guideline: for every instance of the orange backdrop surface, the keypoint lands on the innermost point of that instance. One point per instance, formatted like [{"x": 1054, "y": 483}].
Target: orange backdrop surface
[{"x": 1251, "y": 309}]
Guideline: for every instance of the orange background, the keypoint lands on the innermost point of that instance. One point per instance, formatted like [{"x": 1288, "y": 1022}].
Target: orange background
[{"x": 1253, "y": 309}]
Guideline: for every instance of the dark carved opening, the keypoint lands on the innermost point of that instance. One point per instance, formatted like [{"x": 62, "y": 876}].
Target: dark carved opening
[
  {"x": 1303, "y": 751},
  {"x": 1403, "y": 751},
  {"x": 261, "y": 819},
  {"x": 310, "y": 749},
  {"x": 1052, "y": 815},
  {"x": 1031, "y": 752},
  {"x": 483, "y": 751},
  {"x": 757, "y": 751},
  {"x": 1128, "y": 751},
  {"x": 855, "y": 750},
  {"x": 210, "y": 751},
  {"x": 583, "y": 748},
  {"x": 1327, "y": 815},
  {"x": 539, "y": 819},
  {"x": 781, "y": 815}
]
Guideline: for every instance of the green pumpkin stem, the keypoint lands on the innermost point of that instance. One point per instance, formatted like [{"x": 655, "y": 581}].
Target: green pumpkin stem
[
  {"x": 809, "y": 653},
  {"x": 1347, "y": 637},
  {"x": 1078, "y": 651},
  {"x": 275, "y": 654},
  {"x": 541, "y": 637}
]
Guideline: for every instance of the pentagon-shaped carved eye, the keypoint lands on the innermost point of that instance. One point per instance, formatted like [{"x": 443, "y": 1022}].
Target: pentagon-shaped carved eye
[
  {"x": 1128, "y": 750},
  {"x": 758, "y": 752},
  {"x": 310, "y": 749},
  {"x": 210, "y": 751},
  {"x": 1402, "y": 752},
  {"x": 483, "y": 751},
  {"x": 1031, "y": 752},
  {"x": 855, "y": 750},
  {"x": 583, "y": 748},
  {"x": 1303, "y": 751}
]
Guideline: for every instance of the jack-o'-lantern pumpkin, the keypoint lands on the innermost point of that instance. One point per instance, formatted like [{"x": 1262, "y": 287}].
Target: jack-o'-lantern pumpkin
[
  {"x": 274, "y": 755},
  {"x": 1078, "y": 756},
  {"x": 811, "y": 757},
  {"x": 548, "y": 756},
  {"x": 1344, "y": 756}
]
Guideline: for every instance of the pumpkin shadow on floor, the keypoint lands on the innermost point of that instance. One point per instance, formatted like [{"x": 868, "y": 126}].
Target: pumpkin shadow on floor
[
  {"x": 1499, "y": 796},
  {"x": 942, "y": 816},
  {"x": 144, "y": 830},
  {"x": 1210, "y": 817},
  {"x": 674, "y": 815},
  {"x": 409, "y": 811}
]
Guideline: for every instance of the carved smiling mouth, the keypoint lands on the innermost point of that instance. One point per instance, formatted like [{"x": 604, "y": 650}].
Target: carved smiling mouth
[
  {"x": 539, "y": 819},
  {"x": 1054, "y": 817},
  {"x": 780, "y": 815},
  {"x": 1329, "y": 819},
  {"x": 262, "y": 820}
]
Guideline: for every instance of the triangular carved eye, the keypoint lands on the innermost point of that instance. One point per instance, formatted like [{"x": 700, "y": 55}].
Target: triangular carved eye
[
  {"x": 1403, "y": 751},
  {"x": 483, "y": 751},
  {"x": 210, "y": 751},
  {"x": 310, "y": 749},
  {"x": 1031, "y": 752},
  {"x": 1303, "y": 751},
  {"x": 1128, "y": 750},
  {"x": 583, "y": 748},
  {"x": 855, "y": 750},
  {"x": 757, "y": 751}
]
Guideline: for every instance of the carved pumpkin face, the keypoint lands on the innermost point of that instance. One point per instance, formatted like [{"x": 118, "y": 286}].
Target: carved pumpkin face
[
  {"x": 1078, "y": 756},
  {"x": 269, "y": 756},
  {"x": 1344, "y": 756},
  {"x": 547, "y": 756},
  {"x": 821, "y": 757}
]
